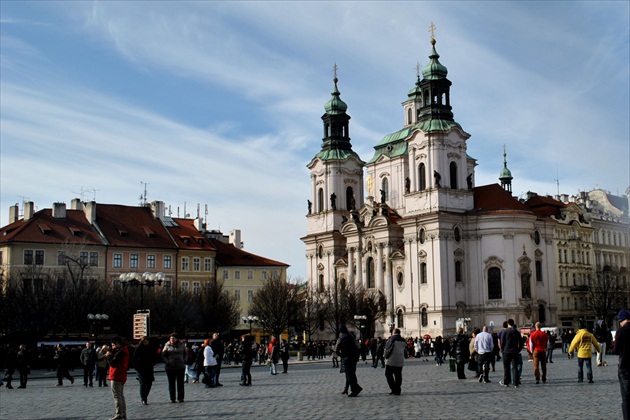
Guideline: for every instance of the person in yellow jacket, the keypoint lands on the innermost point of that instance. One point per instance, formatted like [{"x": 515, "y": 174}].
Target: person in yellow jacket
[{"x": 583, "y": 342}]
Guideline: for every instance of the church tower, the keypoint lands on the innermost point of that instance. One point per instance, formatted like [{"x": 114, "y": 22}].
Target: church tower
[
  {"x": 336, "y": 193},
  {"x": 506, "y": 175}
]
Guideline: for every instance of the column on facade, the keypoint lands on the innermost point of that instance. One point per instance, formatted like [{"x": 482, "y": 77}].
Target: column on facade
[
  {"x": 389, "y": 280},
  {"x": 379, "y": 267},
  {"x": 413, "y": 173},
  {"x": 360, "y": 269},
  {"x": 351, "y": 265}
]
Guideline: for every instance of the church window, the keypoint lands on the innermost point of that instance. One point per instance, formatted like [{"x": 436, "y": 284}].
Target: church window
[
  {"x": 539, "y": 271},
  {"x": 422, "y": 177},
  {"x": 400, "y": 319},
  {"x": 385, "y": 189},
  {"x": 400, "y": 279},
  {"x": 423, "y": 236},
  {"x": 320, "y": 285},
  {"x": 494, "y": 283},
  {"x": 425, "y": 317},
  {"x": 409, "y": 114},
  {"x": 320, "y": 200},
  {"x": 537, "y": 237},
  {"x": 458, "y": 271},
  {"x": 453, "y": 173},
  {"x": 542, "y": 314},
  {"x": 423, "y": 273},
  {"x": 457, "y": 233},
  {"x": 371, "y": 283},
  {"x": 320, "y": 252},
  {"x": 350, "y": 204},
  {"x": 342, "y": 283}
]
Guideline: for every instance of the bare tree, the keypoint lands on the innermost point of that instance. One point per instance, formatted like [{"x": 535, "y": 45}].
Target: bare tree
[
  {"x": 219, "y": 311},
  {"x": 271, "y": 304},
  {"x": 606, "y": 294}
]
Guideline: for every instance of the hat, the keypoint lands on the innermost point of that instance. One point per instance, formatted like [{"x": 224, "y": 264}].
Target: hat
[
  {"x": 623, "y": 315},
  {"x": 582, "y": 323}
]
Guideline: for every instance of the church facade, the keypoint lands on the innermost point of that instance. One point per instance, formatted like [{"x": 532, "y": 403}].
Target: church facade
[{"x": 411, "y": 223}]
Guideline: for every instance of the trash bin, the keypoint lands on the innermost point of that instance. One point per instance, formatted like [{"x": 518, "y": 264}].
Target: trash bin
[
  {"x": 451, "y": 365},
  {"x": 300, "y": 356}
]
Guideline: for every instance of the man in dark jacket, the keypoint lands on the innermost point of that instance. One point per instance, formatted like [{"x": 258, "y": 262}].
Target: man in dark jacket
[
  {"x": 348, "y": 350},
  {"x": 219, "y": 350},
  {"x": 511, "y": 346},
  {"x": 88, "y": 360},
  {"x": 461, "y": 352},
  {"x": 622, "y": 348},
  {"x": 602, "y": 333},
  {"x": 395, "y": 359}
]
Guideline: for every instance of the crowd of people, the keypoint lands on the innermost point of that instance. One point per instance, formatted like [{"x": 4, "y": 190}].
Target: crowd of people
[{"x": 476, "y": 353}]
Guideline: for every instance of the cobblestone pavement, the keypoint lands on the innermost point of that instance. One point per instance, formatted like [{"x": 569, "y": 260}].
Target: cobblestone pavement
[{"x": 311, "y": 390}]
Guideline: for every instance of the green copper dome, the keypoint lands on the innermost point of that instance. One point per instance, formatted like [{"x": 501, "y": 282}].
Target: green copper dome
[
  {"x": 505, "y": 173},
  {"x": 434, "y": 70},
  {"x": 335, "y": 105},
  {"x": 416, "y": 92}
]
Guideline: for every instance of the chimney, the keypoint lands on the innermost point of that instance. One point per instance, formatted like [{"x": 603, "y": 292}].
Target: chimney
[
  {"x": 235, "y": 238},
  {"x": 199, "y": 224},
  {"x": 564, "y": 198},
  {"x": 59, "y": 210},
  {"x": 76, "y": 204},
  {"x": 14, "y": 213},
  {"x": 157, "y": 207},
  {"x": 29, "y": 210},
  {"x": 90, "y": 211}
]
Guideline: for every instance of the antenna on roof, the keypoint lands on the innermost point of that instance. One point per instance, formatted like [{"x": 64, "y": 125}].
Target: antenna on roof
[
  {"x": 143, "y": 197},
  {"x": 557, "y": 180},
  {"x": 206, "y": 214},
  {"x": 24, "y": 198}
]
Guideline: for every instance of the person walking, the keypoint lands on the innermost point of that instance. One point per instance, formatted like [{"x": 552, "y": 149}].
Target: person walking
[
  {"x": 118, "y": 358},
  {"x": 622, "y": 348},
  {"x": 484, "y": 346},
  {"x": 284, "y": 356},
  {"x": 273, "y": 355},
  {"x": 584, "y": 342},
  {"x": 247, "y": 352},
  {"x": 209, "y": 364},
  {"x": 23, "y": 364},
  {"x": 551, "y": 345},
  {"x": 538, "y": 342},
  {"x": 10, "y": 362},
  {"x": 88, "y": 361},
  {"x": 394, "y": 361},
  {"x": 101, "y": 365},
  {"x": 63, "y": 364},
  {"x": 174, "y": 355},
  {"x": 602, "y": 334},
  {"x": 349, "y": 352},
  {"x": 144, "y": 359},
  {"x": 461, "y": 352},
  {"x": 219, "y": 352},
  {"x": 380, "y": 352},
  {"x": 511, "y": 345}
]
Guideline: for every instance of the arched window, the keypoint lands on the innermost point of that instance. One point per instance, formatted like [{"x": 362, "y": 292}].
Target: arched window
[
  {"x": 422, "y": 177},
  {"x": 350, "y": 205},
  {"x": 453, "y": 173},
  {"x": 320, "y": 200},
  {"x": 400, "y": 319},
  {"x": 539, "y": 271},
  {"x": 409, "y": 114},
  {"x": 371, "y": 283},
  {"x": 494, "y": 283},
  {"x": 425, "y": 317},
  {"x": 385, "y": 188},
  {"x": 320, "y": 286},
  {"x": 458, "y": 271},
  {"x": 542, "y": 317},
  {"x": 342, "y": 283},
  {"x": 423, "y": 273}
]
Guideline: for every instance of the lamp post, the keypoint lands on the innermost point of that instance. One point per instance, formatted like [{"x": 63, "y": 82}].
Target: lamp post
[
  {"x": 250, "y": 320},
  {"x": 96, "y": 321},
  {"x": 360, "y": 319},
  {"x": 145, "y": 280}
]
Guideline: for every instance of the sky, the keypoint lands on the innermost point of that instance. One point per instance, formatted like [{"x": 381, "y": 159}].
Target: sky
[{"x": 219, "y": 104}]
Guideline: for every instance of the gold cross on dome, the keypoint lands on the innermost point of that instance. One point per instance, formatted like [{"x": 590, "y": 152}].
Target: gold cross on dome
[{"x": 432, "y": 30}]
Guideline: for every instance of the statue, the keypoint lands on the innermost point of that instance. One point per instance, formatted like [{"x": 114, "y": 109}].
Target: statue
[
  {"x": 333, "y": 201},
  {"x": 469, "y": 181},
  {"x": 382, "y": 196},
  {"x": 526, "y": 290},
  {"x": 407, "y": 185},
  {"x": 344, "y": 219},
  {"x": 310, "y": 206},
  {"x": 438, "y": 178},
  {"x": 352, "y": 203}
]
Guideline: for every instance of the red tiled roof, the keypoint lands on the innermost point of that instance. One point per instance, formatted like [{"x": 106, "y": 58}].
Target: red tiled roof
[
  {"x": 229, "y": 255},
  {"x": 494, "y": 199},
  {"x": 44, "y": 228},
  {"x": 131, "y": 226},
  {"x": 544, "y": 206},
  {"x": 186, "y": 229}
]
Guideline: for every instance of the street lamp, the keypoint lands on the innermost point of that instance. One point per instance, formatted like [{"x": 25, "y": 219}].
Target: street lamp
[
  {"x": 145, "y": 280},
  {"x": 97, "y": 321},
  {"x": 360, "y": 319},
  {"x": 250, "y": 320}
]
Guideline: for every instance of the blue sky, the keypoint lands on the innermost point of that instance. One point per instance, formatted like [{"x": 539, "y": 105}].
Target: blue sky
[{"x": 219, "y": 103}]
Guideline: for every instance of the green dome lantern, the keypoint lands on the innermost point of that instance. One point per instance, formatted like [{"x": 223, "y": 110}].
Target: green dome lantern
[
  {"x": 434, "y": 70},
  {"x": 335, "y": 106}
]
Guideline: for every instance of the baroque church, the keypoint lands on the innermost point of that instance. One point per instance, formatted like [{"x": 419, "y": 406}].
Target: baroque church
[{"x": 411, "y": 223}]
